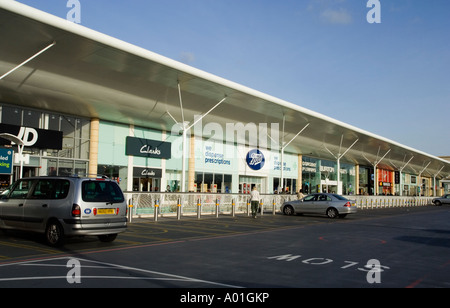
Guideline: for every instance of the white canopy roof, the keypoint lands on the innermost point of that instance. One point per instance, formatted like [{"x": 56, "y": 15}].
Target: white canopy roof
[{"x": 89, "y": 74}]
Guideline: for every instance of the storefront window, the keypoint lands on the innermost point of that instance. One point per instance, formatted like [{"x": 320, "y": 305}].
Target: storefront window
[
  {"x": 11, "y": 115},
  {"x": 348, "y": 179},
  {"x": 289, "y": 186},
  {"x": 365, "y": 181},
  {"x": 73, "y": 157},
  {"x": 116, "y": 173},
  {"x": 31, "y": 118},
  {"x": 173, "y": 181},
  {"x": 213, "y": 182}
]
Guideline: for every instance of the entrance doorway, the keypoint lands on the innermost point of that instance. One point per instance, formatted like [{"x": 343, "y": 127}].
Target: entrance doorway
[
  {"x": 246, "y": 184},
  {"x": 328, "y": 186},
  {"x": 146, "y": 184}
]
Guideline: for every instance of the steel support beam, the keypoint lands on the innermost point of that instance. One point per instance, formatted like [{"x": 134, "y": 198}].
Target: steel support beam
[
  {"x": 338, "y": 162},
  {"x": 401, "y": 170},
  {"x": 186, "y": 127},
  {"x": 28, "y": 60},
  {"x": 283, "y": 146}
]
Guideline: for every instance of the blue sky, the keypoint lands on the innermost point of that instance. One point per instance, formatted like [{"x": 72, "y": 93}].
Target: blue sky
[{"x": 392, "y": 79}]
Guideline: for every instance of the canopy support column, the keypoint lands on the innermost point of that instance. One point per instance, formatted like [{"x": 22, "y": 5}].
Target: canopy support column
[
  {"x": 434, "y": 181},
  {"x": 375, "y": 172},
  {"x": 282, "y": 154},
  {"x": 420, "y": 175},
  {"x": 185, "y": 128},
  {"x": 401, "y": 170},
  {"x": 338, "y": 161}
]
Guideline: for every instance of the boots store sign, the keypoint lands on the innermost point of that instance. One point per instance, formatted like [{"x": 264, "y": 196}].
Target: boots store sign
[{"x": 33, "y": 137}]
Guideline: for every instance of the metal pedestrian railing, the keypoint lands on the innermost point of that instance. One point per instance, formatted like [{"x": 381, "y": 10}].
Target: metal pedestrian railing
[{"x": 156, "y": 205}]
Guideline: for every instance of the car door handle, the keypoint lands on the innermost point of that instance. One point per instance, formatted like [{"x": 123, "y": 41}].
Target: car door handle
[
  {"x": 21, "y": 204},
  {"x": 44, "y": 205}
]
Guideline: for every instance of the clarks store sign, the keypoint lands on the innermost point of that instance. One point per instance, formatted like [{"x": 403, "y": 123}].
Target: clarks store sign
[{"x": 148, "y": 148}]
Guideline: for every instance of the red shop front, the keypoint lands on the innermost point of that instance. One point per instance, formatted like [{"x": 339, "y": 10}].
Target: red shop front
[{"x": 385, "y": 182}]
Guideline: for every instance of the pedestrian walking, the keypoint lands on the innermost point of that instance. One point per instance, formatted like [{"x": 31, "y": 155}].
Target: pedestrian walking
[
  {"x": 300, "y": 194},
  {"x": 255, "y": 201}
]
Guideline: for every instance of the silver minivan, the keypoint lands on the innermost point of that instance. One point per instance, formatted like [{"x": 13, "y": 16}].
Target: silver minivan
[{"x": 61, "y": 207}]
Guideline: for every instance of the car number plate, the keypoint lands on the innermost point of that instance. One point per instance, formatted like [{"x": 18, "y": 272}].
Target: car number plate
[{"x": 105, "y": 211}]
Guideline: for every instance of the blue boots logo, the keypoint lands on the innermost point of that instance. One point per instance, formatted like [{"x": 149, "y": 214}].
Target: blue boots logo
[{"x": 255, "y": 159}]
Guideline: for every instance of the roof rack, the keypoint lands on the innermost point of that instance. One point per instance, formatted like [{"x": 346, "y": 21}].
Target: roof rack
[{"x": 89, "y": 175}]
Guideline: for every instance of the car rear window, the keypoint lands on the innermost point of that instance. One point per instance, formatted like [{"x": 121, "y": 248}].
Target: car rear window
[
  {"x": 101, "y": 191},
  {"x": 339, "y": 197}
]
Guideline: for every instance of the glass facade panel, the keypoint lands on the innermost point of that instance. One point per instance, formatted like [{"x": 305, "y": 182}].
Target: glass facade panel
[{"x": 75, "y": 148}]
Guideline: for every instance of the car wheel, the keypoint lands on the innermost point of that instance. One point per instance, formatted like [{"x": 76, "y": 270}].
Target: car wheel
[
  {"x": 54, "y": 233},
  {"x": 288, "y": 210},
  {"x": 332, "y": 212},
  {"x": 107, "y": 238},
  {"x": 438, "y": 203}
]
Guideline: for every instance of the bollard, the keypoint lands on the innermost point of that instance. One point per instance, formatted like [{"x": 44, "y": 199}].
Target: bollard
[
  {"x": 156, "y": 210},
  {"x": 199, "y": 208},
  {"x": 179, "y": 209},
  {"x": 274, "y": 207},
  {"x": 261, "y": 206},
  {"x": 248, "y": 207},
  {"x": 233, "y": 208},
  {"x": 130, "y": 208},
  {"x": 217, "y": 207},
  {"x": 130, "y": 214}
]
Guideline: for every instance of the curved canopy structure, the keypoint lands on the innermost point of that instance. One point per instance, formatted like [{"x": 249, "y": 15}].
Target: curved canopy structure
[{"x": 56, "y": 65}]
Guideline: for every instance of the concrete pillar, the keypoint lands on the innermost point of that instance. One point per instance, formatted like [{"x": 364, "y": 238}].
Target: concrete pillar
[
  {"x": 191, "y": 165},
  {"x": 356, "y": 179},
  {"x": 300, "y": 170},
  {"x": 93, "y": 147}
]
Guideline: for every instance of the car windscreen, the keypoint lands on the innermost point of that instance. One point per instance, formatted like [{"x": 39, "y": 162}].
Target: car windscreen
[{"x": 101, "y": 191}]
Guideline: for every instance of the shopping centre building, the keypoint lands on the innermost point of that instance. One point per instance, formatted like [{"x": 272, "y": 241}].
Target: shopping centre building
[{"x": 82, "y": 102}]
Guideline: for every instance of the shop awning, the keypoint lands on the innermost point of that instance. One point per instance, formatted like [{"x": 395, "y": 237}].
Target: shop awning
[{"x": 85, "y": 73}]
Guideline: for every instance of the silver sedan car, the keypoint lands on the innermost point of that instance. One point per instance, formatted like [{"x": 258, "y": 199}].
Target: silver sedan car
[
  {"x": 332, "y": 205},
  {"x": 442, "y": 200}
]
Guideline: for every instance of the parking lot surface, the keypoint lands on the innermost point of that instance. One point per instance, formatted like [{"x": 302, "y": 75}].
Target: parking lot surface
[{"x": 390, "y": 248}]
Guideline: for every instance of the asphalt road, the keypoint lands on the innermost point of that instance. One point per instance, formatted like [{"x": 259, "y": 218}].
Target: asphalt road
[{"x": 387, "y": 248}]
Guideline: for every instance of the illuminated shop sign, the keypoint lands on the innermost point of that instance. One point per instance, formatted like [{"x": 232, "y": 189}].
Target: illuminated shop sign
[{"x": 148, "y": 148}]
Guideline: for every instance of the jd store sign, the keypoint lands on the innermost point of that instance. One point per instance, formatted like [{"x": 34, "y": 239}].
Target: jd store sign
[{"x": 33, "y": 137}]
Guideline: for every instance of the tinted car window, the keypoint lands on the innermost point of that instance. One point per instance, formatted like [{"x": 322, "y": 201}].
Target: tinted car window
[
  {"x": 20, "y": 190},
  {"x": 101, "y": 191},
  {"x": 310, "y": 198},
  {"x": 51, "y": 189},
  {"x": 323, "y": 198},
  {"x": 339, "y": 197}
]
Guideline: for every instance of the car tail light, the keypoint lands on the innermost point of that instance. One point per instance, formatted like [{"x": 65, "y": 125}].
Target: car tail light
[
  {"x": 76, "y": 210},
  {"x": 117, "y": 211},
  {"x": 94, "y": 211},
  {"x": 348, "y": 204}
]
